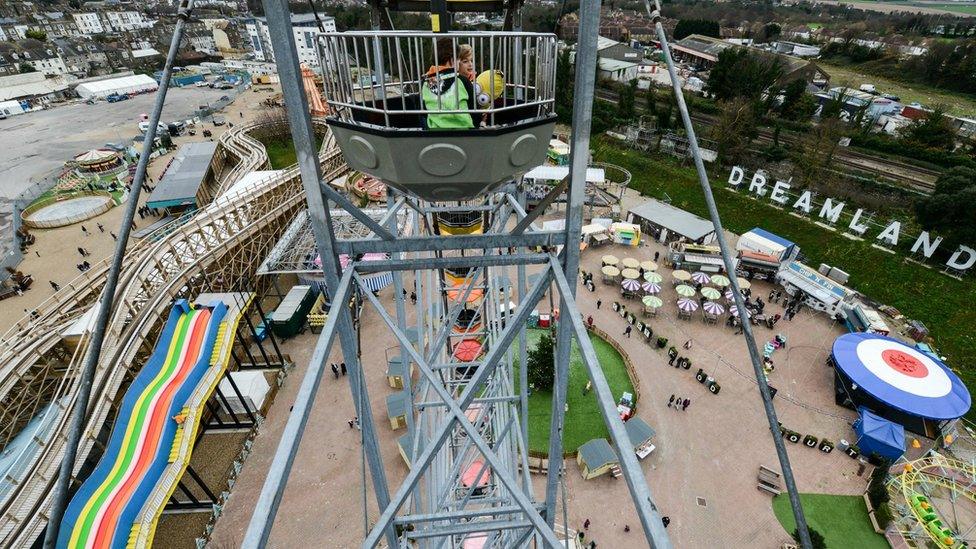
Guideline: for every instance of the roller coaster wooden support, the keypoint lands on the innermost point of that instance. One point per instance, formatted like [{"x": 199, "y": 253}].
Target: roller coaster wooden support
[{"x": 221, "y": 240}]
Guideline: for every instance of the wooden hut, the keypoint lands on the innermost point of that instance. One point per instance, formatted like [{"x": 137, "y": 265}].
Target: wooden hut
[{"x": 596, "y": 458}]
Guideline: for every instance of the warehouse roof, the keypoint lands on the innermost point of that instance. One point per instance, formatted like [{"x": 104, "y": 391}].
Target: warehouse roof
[
  {"x": 674, "y": 219},
  {"x": 184, "y": 176}
]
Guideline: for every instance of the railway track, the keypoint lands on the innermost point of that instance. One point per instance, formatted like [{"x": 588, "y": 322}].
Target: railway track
[{"x": 851, "y": 162}]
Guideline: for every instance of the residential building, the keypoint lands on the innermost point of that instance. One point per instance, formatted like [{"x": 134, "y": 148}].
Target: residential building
[
  {"x": 74, "y": 55},
  {"x": 304, "y": 26},
  {"x": 125, "y": 21},
  {"x": 88, "y": 23},
  {"x": 202, "y": 41},
  {"x": 56, "y": 24},
  {"x": 44, "y": 59}
]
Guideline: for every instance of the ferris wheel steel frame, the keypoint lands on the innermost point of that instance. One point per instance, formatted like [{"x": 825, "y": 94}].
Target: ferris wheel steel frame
[{"x": 515, "y": 514}]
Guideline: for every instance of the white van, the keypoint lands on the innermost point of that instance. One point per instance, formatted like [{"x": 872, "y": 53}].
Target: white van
[{"x": 160, "y": 127}]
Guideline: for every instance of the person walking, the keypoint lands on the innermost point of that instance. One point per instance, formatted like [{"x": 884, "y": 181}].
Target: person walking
[
  {"x": 114, "y": 238},
  {"x": 589, "y": 321},
  {"x": 627, "y": 330},
  {"x": 688, "y": 344},
  {"x": 656, "y": 256},
  {"x": 626, "y": 528},
  {"x": 413, "y": 298},
  {"x": 586, "y": 524},
  {"x": 84, "y": 230},
  {"x": 81, "y": 251},
  {"x": 671, "y": 400},
  {"x": 38, "y": 253},
  {"x": 598, "y": 303},
  {"x": 342, "y": 367},
  {"x": 666, "y": 521},
  {"x": 54, "y": 285},
  {"x": 684, "y": 405},
  {"x": 101, "y": 228},
  {"x": 772, "y": 295},
  {"x": 335, "y": 370},
  {"x": 672, "y": 355}
]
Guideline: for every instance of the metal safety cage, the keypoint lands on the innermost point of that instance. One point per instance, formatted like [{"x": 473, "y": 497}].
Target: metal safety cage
[{"x": 442, "y": 116}]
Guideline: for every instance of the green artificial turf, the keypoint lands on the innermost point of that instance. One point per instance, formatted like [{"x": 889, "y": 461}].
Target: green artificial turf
[
  {"x": 583, "y": 420},
  {"x": 943, "y": 304},
  {"x": 842, "y": 520}
]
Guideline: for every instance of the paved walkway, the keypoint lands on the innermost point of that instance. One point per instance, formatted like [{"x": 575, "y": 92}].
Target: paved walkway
[{"x": 702, "y": 475}]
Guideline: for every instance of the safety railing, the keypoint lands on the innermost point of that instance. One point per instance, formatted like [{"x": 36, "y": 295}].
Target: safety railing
[{"x": 426, "y": 80}]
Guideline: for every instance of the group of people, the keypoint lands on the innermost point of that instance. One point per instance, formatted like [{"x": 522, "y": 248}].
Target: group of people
[
  {"x": 678, "y": 403},
  {"x": 145, "y": 211},
  {"x": 338, "y": 368},
  {"x": 83, "y": 266}
]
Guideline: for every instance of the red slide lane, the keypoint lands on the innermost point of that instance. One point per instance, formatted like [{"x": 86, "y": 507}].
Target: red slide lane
[{"x": 103, "y": 538}]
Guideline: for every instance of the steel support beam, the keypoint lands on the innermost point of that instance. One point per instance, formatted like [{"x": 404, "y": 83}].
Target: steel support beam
[
  {"x": 586, "y": 60},
  {"x": 654, "y": 530},
  {"x": 300, "y": 121},
  {"x": 554, "y": 193},
  {"x": 475, "y": 261},
  {"x": 355, "y": 211},
  {"x": 467, "y": 396},
  {"x": 441, "y": 244},
  {"x": 458, "y": 415}
]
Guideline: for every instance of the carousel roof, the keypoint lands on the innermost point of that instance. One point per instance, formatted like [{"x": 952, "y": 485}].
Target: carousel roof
[{"x": 96, "y": 156}]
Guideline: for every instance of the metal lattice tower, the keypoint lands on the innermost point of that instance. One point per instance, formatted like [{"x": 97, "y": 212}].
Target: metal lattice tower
[{"x": 466, "y": 420}]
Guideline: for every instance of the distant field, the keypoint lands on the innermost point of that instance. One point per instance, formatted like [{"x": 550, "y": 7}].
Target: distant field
[
  {"x": 956, "y": 103},
  {"x": 918, "y": 6}
]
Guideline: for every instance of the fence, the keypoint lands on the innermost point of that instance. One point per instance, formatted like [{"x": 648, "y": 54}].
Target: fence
[{"x": 9, "y": 242}]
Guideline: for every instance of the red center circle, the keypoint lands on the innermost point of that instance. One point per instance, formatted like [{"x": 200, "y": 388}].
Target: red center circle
[{"x": 904, "y": 363}]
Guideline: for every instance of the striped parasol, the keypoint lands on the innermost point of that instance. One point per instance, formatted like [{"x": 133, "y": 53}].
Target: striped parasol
[
  {"x": 653, "y": 278},
  {"x": 684, "y": 290},
  {"x": 734, "y": 311},
  {"x": 652, "y": 301},
  {"x": 730, "y": 295},
  {"x": 651, "y": 287},
  {"x": 701, "y": 278},
  {"x": 687, "y": 304},
  {"x": 710, "y": 293},
  {"x": 721, "y": 280},
  {"x": 648, "y": 265},
  {"x": 630, "y": 273},
  {"x": 713, "y": 308},
  {"x": 630, "y": 285}
]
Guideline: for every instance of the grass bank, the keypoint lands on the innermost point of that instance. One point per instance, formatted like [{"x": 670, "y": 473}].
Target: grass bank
[
  {"x": 842, "y": 520},
  {"x": 583, "y": 419},
  {"x": 944, "y": 304},
  {"x": 281, "y": 151},
  {"x": 959, "y": 104}
]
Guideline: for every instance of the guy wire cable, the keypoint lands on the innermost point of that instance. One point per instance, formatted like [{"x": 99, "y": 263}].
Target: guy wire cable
[{"x": 767, "y": 399}]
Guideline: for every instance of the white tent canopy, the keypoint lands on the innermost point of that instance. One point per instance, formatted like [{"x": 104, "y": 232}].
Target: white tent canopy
[{"x": 124, "y": 84}]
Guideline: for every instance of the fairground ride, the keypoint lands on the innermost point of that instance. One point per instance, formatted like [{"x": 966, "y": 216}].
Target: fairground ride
[{"x": 935, "y": 502}]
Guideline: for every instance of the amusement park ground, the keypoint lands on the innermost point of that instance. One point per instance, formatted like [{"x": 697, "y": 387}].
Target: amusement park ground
[
  {"x": 702, "y": 474},
  {"x": 58, "y": 247}
]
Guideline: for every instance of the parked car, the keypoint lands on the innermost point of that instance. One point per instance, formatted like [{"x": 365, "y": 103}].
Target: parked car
[
  {"x": 224, "y": 98},
  {"x": 115, "y": 97},
  {"x": 117, "y": 147},
  {"x": 224, "y": 86},
  {"x": 202, "y": 84},
  {"x": 160, "y": 128},
  {"x": 218, "y": 121}
]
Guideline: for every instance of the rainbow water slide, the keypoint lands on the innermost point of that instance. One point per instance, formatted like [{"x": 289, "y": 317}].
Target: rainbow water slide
[{"x": 102, "y": 511}]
